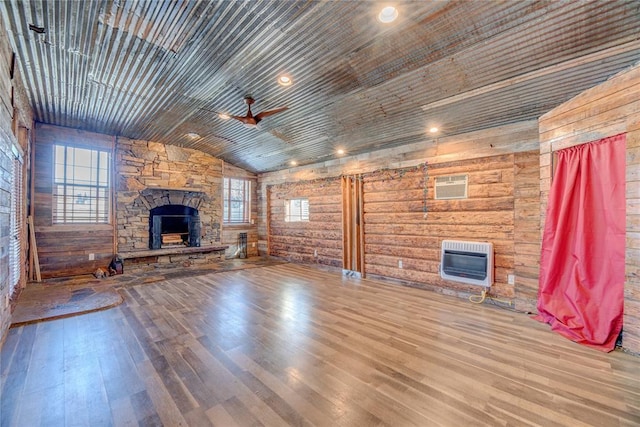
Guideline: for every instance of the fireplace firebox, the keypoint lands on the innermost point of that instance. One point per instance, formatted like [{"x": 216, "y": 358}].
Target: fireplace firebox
[{"x": 173, "y": 225}]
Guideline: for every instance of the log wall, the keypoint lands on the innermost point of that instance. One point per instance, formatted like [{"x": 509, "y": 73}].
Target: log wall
[
  {"x": 404, "y": 223},
  {"x": 501, "y": 163},
  {"x": 526, "y": 233},
  {"x": 605, "y": 110},
  {"x": 230, "y": 231},
  {"x": 317, "y": 241}
]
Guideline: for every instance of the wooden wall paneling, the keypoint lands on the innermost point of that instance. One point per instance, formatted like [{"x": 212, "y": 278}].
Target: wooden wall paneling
[
  {"x": 346, "y": 222},
  {"x": 515, "y": 137},
  {"x": 114, "y": 199},
  {"x": 526, "y": 230},
  {"x": 631, "y": 326},
  {"x": 31, "y": 194},
  {"x": 394, "y": 219},
  {"x": 352, "y": 228},
  {"x": 318, "y": 241},
  {"x": 360, "y": 234},
  {"x": 401, "y": 225},
  {"x": 64, "y": 250},
  {"x": 35, "y": 260},
  {"x": 268, "y": 220},
  {"x": 605, "y": 110}
]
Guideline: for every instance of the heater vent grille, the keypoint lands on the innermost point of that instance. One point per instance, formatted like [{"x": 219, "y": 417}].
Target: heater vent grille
[
  {"x": 467, "y": 262},
  {"x": 451, "y": 187}
]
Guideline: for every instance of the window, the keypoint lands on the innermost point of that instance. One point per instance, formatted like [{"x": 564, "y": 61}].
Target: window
[
  {"x": 81, "y": 185},
  {"x": 297, "y": 210},
  {"x": 237, "y": 200},
  {"x": 16, "y": 259}
]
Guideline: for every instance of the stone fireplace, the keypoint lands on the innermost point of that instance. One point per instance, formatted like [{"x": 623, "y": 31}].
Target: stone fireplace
[
  {"x": 177, "y": 189},
  {"x": 185, "y": 218},
  {"x": 173, "y": 226}
]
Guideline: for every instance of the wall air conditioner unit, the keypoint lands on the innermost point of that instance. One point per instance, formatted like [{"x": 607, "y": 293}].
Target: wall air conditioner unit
[
  {"x": 467, "y": 262},
  {"x": 451, "y": 187}
]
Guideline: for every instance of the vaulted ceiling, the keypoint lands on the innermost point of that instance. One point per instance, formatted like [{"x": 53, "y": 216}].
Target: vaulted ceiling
[{"x": 159, "y": 70}]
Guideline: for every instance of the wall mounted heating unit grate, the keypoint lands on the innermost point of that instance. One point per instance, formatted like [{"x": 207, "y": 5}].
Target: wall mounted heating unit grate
[{"x": 467, "y": 262}]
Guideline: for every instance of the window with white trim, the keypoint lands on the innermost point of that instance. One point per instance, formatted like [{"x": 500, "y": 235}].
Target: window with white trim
[
  {"x": 296, "y": 210},
  {"x": 81, "y": 189},
  {"x": 237, "y": 200}
]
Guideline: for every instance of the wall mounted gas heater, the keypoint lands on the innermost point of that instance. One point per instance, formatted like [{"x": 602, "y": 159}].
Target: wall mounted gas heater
[{"x": 467, "y": 262}]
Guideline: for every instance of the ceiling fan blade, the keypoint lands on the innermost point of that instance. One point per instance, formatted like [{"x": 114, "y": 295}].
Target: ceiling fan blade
[
  {"x": 268, "y": 113},
  {"x": 245, "y": 120}
]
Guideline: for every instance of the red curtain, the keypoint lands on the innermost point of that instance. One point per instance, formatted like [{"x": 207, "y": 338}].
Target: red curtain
[{"x": 581, "y": 293}]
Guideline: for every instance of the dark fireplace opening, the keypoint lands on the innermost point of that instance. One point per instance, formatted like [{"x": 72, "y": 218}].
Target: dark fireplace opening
[{"x": 173, "y": 226}]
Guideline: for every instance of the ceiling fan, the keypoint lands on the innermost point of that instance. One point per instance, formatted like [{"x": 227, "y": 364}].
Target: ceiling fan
[{"x": 249, "y": 120}]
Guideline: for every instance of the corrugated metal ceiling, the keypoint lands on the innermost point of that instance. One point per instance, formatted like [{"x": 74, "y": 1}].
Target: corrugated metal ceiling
[{"x": 158, "y": 70}]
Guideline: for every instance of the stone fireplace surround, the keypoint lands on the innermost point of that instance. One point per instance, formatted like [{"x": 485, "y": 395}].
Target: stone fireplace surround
[
  {"x": 151, "y": 175},
  {"x": 135, "y": 227},
  {"x": 143, "y": 258}
]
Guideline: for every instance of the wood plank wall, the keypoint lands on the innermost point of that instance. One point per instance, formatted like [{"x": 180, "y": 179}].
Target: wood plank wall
[
  {"x": 16, "y": 121},
  {"x": 526, "y": 234},
  {"x": 605, "y": 110},
  {"x": 230, "y": 231},
  {"x": 64, "y": 250},
  {"x": 501, "y": 163},
  {"x": 402, "y": 225},
  {"x": 318, "y": 241}
]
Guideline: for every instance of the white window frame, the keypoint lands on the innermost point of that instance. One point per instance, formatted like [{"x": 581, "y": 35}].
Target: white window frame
[
  {"x": 297, "y": 210},
  {"x": 77, "y": 200},
  {"x": 237, "y": 190}
]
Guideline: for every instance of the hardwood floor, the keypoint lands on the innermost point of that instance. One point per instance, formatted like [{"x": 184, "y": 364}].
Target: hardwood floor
[{"x": 292, "y": 345}]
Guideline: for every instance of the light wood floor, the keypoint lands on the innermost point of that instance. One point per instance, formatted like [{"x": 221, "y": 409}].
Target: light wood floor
[{"x": 292, "y": 345}]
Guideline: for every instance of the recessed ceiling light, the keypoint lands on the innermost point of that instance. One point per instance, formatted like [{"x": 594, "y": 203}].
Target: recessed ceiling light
[
  {"x": 388, "y": 14},
  {"x": 293, "y": 163},
  {"x": 193, "y": 135},
  {"x": 340, "y": 151},
  {"x": 284, "y": 80},
  {"x": 433, "y": 129},
  {"x": 223, "y": 116}
]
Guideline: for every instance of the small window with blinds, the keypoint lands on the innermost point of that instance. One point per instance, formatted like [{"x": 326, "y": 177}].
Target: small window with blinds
[
  {"x": 237, "y": 200},
  {"x": 451, "y": 187},
  {"x": 297, "y": 210},
  {"x": 81, "y": 192}
]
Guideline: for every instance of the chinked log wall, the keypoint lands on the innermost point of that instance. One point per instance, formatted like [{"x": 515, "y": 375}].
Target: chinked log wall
[
  {"x": 605, "y": 110},
  {"x": 502, "y": 208},
  {"x": 320, "y": 239},
  {"x": 402, "y": 222}
]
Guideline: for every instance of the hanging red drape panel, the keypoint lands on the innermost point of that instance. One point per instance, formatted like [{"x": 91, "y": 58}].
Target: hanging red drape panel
[{"x": 581, "y": 293}]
